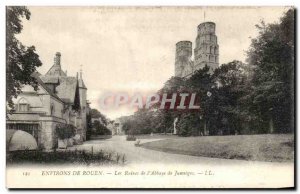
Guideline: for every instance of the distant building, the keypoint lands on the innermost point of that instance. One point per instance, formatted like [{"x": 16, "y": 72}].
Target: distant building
[
  {"x": 118, "y": 127},
  {"x": 58, "y": 99},
  {"x": 206, "y": 51},
  {"x": 111, "y": 127}
]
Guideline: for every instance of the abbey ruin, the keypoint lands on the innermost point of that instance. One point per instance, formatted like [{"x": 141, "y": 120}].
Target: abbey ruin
[{"x": 206, "y": 51}]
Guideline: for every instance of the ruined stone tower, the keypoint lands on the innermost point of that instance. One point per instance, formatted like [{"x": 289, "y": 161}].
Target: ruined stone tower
[
  {"x": 183, "y": 58},
  {"x": 206, "y": 51}
]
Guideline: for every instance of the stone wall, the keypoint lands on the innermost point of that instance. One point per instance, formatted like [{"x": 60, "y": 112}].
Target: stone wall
[{"x": 47, "y": 136}]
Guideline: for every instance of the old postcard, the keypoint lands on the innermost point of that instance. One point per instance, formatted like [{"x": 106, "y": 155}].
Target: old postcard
[{"x": 150, "y": 97}]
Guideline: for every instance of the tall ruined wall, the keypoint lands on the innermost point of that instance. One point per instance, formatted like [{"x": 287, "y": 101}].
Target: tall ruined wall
[
  {"x": 183, "y": 57},
  {"x": 206, "y": 51}
]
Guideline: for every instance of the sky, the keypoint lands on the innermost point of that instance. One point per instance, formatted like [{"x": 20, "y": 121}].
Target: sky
[{"x": 132, "y": 49}]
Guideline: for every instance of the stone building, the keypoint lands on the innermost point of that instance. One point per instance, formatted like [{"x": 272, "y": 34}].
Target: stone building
[
  {"x": 118, "y": 127},
  {"x": 58, "y": 99},
  {"x": 206, "y": 51}
]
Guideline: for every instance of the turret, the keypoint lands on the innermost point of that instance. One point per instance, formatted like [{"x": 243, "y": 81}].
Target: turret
[
  {"x": 83, "y": 102},
  {"x": 206, "y": 51},
  {"x": 183, "y": 56}
]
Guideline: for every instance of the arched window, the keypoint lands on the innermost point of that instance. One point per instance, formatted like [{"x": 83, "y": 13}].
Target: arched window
[
  {"x": 212, "y": 50},
  {"x": 23, "y": 105}
]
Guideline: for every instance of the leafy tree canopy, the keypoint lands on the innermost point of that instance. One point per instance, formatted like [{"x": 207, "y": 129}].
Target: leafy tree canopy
[
  {"x": 21, "y": 61},
  {"x": 97, "y": 114}
]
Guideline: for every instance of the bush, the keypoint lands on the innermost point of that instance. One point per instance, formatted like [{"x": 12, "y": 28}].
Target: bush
[
  {"x": 189, "y": 125},
  {"x": 65, "y": 131},
  {"x": 62, "y": 157},
  {"x": 100, "y": 128},
  {"x": 130, "y": 138}
]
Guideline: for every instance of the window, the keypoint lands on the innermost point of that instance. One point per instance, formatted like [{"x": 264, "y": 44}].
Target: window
[
  {"x": 52, "y": 109},
  {"x": 23, "y": 105},
  {"x": 212, "y": 50}
]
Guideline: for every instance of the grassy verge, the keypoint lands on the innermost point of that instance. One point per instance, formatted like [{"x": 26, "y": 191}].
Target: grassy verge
[
  {"x": 64, "y": 157},
  {"x": 156, "y": 136},
  {"x": 96, "y": 137},
  {"x": 269, "y": 147}
]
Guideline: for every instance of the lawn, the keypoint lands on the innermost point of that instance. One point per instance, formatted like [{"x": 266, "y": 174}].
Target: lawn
[{"x": 268, "y": 147}]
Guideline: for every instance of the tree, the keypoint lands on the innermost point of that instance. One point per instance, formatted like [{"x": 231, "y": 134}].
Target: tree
[
  {"x": 189, "y": 124},
  {"x": 89, "y": 126},
  {"x": 130, "y": 126},
  {"x": 164, "y": 118},
  {"x": 272, "y": 55},
  {"x": 236, "y": 98},
  {"x": 100, "y": 128},
  {"x": 231, "y": 79},
  {"x": 64, "y": 131},
  {"x": 202, "y": 83},
  {"x": 21, "y": 61},
  {"x": 97, "y": 114}
]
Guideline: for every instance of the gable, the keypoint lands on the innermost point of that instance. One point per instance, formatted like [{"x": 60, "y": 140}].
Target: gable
[{"x": 55, "y": 70}]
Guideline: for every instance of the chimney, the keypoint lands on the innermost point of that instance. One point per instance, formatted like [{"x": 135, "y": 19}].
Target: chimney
[
  {"x": 80, "y": 75},
  {"x": 57, "y": 59}
]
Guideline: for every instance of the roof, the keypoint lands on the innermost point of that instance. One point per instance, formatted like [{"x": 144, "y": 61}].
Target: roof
[
  {"x": 55, "y": 70},
  {"x": 66, "y": 100},
  {"x": 81, "y": 84},
  {"x": 50, "y": 80},
  {"x": 36, "y": 75},
  {"x": 67, "y": 88},
  {"x": 34, "y": 101},
  {"x": 208, "y": 22}
]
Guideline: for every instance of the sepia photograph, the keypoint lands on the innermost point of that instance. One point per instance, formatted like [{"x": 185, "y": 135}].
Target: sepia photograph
[{"x": 150, "y": 97}]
